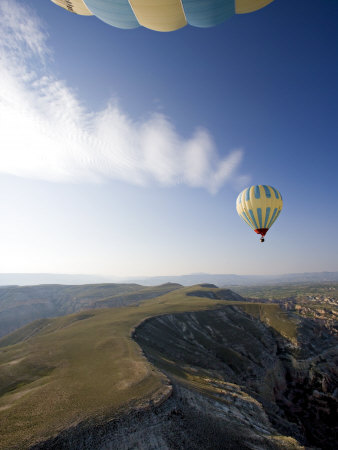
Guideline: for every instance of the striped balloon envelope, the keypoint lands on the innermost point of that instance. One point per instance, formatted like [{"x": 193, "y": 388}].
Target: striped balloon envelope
[
  {"x": 162, "y": 15},
  {"x": 259, "y": 206},
  {"x": 74, "y": 6}
]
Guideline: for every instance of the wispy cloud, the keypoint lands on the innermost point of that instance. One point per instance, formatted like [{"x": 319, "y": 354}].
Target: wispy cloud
[{"x": 46, "y": 133}]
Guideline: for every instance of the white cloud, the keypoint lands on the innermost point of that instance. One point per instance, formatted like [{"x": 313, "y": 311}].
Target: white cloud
[{"x": 45, "y": 133}]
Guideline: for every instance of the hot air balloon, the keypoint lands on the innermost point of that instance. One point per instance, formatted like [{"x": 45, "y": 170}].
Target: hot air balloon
[
  {"x": 259, "y": 206},
  {"x": 162, "y": 15}
]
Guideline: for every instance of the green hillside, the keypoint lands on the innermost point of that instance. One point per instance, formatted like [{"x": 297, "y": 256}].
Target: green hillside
[
  {"x": 57, "y": 373},
  {"x": 20, "y": 305},
  {"x": 275, "y": 318}
]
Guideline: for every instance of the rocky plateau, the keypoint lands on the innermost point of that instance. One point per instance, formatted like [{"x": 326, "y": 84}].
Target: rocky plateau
[{"x": 234, "y": 382}]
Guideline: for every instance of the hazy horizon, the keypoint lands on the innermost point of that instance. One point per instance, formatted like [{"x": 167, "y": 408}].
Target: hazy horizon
[{"x": 32, "y": 279}]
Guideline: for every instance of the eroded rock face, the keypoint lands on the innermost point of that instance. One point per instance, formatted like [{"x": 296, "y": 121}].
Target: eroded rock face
[
  {"x": 187, "y": 420},
  {"x": 310, "y": 397},
  {"x": 298, "y": 395},
  {"x": 235, "y": 384}
]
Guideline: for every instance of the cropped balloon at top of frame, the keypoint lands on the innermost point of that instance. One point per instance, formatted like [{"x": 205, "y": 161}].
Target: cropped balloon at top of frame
[{"x": 162, "y": 15}]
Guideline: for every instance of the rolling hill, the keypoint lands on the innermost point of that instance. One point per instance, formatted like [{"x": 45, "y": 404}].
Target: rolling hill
[
  {"x": 20, "y": 305},
  {"x": 175, "y": 371}
]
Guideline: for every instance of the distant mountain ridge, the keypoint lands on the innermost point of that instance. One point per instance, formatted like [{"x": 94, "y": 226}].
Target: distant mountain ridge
[
  {"x": 238, "y": 280},
  {"x": 28, "y": 279}
]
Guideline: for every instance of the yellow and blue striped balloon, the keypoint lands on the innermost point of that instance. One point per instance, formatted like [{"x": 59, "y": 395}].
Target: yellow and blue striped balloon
[
  {"x": 259, "y": 206},
  {"x": 162, "y": 15}
]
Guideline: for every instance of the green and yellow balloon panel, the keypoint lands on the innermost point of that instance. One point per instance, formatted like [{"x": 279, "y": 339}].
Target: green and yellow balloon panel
[
  {"x": 162, "y": 15},
  {"x": 259, "y": 206}
]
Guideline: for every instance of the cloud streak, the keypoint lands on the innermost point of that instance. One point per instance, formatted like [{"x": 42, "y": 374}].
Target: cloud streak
[{"x": 46, "y": 134}]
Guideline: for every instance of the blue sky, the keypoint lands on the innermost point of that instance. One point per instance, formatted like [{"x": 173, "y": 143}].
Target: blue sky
[{"x": 123, "y": 152}]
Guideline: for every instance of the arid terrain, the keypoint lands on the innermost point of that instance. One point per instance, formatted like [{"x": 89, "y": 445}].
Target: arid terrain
[{"x": 197, "y": 367}]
